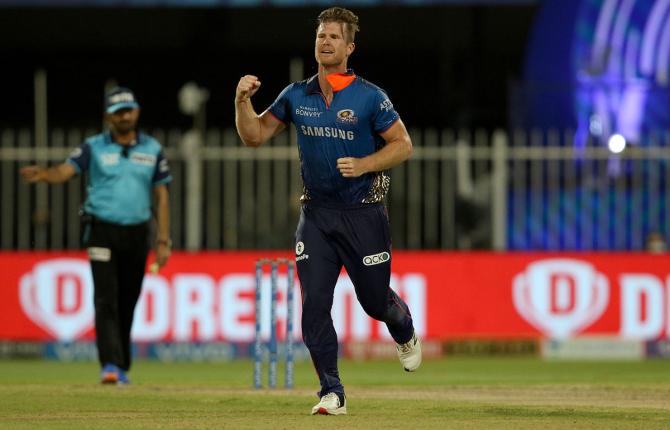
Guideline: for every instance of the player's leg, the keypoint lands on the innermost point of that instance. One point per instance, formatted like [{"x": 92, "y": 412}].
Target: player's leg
[
  {"x": 365, "y": 248},
  {"x": 106, "y": 286},
  {"x": 318, "y": 268},
  {"x": 131, "y": 269}
]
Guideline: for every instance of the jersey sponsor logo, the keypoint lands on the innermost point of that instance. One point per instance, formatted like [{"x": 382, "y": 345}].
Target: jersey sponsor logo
[
  {"x": 308, "y": 112},
  {"x": 143, "y": 159},
  {"x": 332, "y": 132},
  {"x": 109, "y": 159},
  {"x": 371, "y": 260},
  {"x": 347, "y": 116},
  {"x": 386, "y": 105}
]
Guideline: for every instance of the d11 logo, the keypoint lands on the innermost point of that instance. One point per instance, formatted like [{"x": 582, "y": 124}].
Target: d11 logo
[
  {"x": 560, "y": 297},
  {"x": 58, "y": 296}
]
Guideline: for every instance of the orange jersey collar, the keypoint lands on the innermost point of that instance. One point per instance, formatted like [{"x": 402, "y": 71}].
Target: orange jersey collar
[{"x": 339, "y": 81}]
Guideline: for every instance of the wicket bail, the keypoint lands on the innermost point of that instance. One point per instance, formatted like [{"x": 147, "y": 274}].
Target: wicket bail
[{"x": 272, "y": 345}]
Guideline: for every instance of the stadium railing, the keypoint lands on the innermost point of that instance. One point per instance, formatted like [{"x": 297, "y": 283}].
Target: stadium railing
[{"x": 462, "y": 189}]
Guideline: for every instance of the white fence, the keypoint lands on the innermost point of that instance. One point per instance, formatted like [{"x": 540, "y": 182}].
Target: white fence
[{"x": 460, "y": 190}]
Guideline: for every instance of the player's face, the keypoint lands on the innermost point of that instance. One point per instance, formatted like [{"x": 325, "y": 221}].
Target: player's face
[
  {"x": 330, "y": 48},
  {"x": 123, "y": 121}
]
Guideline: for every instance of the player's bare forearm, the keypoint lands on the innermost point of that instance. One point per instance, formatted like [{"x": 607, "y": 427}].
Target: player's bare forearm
[
  {"x": 162, "y": 212},
  {"x": 398, "y": 148},
  {"x": 255, "y": 130},
  {"x": 53, "y": 175},
  {"x": 163, "y": 244},
  {"x": 248, "y": 123},
  {"x": 393, "y": 153}
]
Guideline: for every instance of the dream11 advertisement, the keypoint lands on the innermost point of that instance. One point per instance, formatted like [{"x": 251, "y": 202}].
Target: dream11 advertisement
[{"x": 209, "y": 297}]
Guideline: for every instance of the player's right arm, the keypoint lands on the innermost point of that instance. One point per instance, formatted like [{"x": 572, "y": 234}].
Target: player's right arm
[
  {"x": 254, "y": 129},
  {"x": 52, "y": 175}
]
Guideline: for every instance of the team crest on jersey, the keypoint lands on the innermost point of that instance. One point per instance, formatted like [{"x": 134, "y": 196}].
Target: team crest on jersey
[
  {"x": 110, "y": 159},
  {"x": 347, "y": 116}
]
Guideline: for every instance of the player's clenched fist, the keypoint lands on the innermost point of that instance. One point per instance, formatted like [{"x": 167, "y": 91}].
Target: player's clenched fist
[
  {"x": 351, "y": 167},
  {"x": 247, "y": 87}
]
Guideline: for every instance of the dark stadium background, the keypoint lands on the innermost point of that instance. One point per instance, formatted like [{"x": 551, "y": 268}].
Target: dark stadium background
[{"x": 449, "y": 65}]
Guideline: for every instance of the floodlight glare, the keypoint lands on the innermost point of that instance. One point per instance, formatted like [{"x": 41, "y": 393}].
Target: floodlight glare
[{"x": 616, "y": 143}]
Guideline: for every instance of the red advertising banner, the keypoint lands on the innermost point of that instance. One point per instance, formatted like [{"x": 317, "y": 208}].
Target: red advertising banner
[{"x": 210, "y": 297}]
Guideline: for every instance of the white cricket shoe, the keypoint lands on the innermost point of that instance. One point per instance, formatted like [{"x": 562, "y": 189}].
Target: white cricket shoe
[
  {"x": 330, "y": 405},
  {"x": 410, "y": 353}
]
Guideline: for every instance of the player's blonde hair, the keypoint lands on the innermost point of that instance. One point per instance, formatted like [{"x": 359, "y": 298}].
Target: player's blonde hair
[{"x": 345, "y": 17}]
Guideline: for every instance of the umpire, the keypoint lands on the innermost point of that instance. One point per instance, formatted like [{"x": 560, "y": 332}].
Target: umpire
[{"x": 124, "y": 167}]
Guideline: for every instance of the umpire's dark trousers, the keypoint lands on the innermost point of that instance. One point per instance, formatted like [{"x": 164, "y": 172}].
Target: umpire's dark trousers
[
  {"x": 357, "y": 238},
  {"x": 118, "y": 255}
]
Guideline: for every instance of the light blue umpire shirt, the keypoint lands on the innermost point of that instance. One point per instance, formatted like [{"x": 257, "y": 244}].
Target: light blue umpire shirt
[{"x": 120, "y": 179}]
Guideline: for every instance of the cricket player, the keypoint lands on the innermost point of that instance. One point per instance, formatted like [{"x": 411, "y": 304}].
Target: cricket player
[
  {"x": 349, "y": 135},
  {"x": 126, "y": 169}
]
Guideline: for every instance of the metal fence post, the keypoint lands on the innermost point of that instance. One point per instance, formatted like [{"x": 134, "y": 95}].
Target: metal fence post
[
  {"x": 40, "y": 212},
  {"x": 190, "y": 147},
  {"x": 499, "y": 191}
]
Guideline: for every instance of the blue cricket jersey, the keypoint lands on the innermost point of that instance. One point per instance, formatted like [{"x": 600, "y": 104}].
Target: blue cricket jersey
[
  {"x": 348, "y": 127},
  {"x": 120, "y": 183}
]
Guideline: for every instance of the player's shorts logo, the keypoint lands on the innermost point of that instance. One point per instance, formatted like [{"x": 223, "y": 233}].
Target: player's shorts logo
[
  {"x": 371, "y": 260},
  {"x": 299, "y": 249},
  {"x": 347, "y": 116}
]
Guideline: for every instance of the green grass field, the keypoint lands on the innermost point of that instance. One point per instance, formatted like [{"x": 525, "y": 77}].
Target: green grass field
[{"x": 455, "y": 393}]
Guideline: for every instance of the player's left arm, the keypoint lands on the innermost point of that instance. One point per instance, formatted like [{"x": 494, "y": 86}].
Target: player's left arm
[{"x": 398, "y": 148}]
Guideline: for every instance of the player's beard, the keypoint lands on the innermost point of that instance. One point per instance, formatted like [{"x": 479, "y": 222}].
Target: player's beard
[{"x": 123, "y": 128}]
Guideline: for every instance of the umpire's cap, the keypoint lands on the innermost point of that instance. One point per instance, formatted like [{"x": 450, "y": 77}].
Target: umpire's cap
[{"x": 120, "y": 98}]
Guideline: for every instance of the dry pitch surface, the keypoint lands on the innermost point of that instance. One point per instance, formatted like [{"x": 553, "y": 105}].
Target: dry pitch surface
[{"x": 459, "y": 393}]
